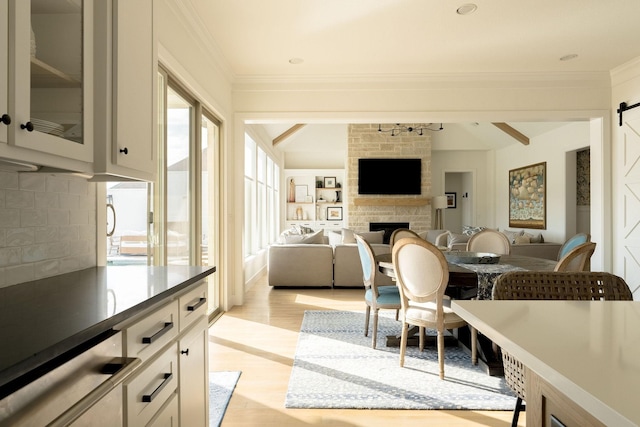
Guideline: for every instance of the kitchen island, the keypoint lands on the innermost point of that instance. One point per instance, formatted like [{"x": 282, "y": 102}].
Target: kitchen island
[
  {"x": 48, "y": 322},
  {"x": 582, "y": 357}
]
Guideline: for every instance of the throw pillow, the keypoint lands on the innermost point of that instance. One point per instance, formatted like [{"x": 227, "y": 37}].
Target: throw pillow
[
  {"x": 521, "y": 239},
  {"x": 335, "y": 238},
  {"x": 512, "y": 234},
  {"x": 308, "y": 238},
  {"x": 373, "y": 236},
  {"x": 534, "y": 238},
  {"x": 348, "y": 236},
  {"x": 468, "y": 230},
  {"x": 457, "y": 238}
]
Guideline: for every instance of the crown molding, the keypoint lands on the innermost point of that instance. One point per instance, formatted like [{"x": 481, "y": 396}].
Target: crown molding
[
  {"x": 193, "y": 24},
  {"x": 409, "y": 81}
]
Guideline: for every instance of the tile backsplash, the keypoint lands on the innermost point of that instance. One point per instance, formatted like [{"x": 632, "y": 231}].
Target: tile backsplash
[{"x": 47, "y": 225}]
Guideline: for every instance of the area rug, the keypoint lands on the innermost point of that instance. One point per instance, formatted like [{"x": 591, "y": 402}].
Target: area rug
[
  {"x": 221, "y": 386},
  {"x": 335, "y": 367}
]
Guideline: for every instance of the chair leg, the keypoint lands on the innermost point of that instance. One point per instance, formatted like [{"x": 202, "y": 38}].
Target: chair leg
[
  {"x": 421, "y": 334},
  {"x": 403, "y": 342},
  {"x": 374, "y": 329},
  {"x": 441, "y": 353},
  {"x": 516, "y": 412},
  {"x": 474, "y": 345},
  {"x": 367, "y": 313}
]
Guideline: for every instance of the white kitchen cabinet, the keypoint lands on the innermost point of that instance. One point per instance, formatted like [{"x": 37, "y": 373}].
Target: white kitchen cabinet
[
  {"x": 50, "y": 76},
  {"x": 194, "y": 378},
  {"x": 125, "y": 104},
  {"x": 172, "y": 342},
  {"x": 4, "y": 56}
]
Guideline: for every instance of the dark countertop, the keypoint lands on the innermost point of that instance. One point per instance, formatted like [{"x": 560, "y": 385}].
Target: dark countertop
[{"x": 43, "y": 320}]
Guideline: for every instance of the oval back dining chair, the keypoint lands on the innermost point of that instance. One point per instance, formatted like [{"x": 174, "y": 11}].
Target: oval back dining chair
[
  {"x": 489, "y": 241},
  {"x": 422, "y": 274},
  {"x": 547, "y": 285},
  {"x": 376, "y": 297},
  {"x": 400, "y": 233},
  {"x": 577, "y": 259},
  {"x": 572, "y": 242}
]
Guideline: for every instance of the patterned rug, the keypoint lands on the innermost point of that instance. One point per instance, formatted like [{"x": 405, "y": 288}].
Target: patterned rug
[
  {"x": 221, "y": 386},
  {"x": 335, "y": 367}
]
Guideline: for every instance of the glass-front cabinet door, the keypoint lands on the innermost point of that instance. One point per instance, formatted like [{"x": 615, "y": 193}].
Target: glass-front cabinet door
[{"x": 50, "y": 69}]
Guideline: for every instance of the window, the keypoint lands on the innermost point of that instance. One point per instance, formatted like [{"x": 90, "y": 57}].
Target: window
[
  {"x": 188, "y": 212},
  {"x": 261, "y": 178}
]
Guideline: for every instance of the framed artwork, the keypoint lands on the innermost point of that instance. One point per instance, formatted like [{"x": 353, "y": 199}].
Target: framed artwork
[
  {"x": 329, "y": 182},
  {"x": 451, "y": 200},
  {"x": 528, "y": 196},
  {"x": 334, "y": 213},
  {"x": 301, "y": 193}
]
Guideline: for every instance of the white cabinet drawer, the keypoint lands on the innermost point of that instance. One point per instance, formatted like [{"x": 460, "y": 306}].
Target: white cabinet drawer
[
  {"x": 169, "y": 415},
  {"x": 151, "y": 333},
  {"x": 147, "y": 393},
  {"x": 193, "y": 304}
]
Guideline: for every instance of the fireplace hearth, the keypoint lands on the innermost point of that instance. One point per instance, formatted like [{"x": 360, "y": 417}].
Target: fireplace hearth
[{"x": 388, "y": 227}]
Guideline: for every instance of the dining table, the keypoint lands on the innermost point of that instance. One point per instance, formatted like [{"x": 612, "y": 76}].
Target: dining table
[{"x": 474, "y": 281}]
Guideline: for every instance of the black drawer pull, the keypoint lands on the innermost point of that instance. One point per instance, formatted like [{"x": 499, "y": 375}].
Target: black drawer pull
[
  {"x": 150, "y": 397},
  {"x": 161, "y": 332},
  {"x": 196, "y": 305}
]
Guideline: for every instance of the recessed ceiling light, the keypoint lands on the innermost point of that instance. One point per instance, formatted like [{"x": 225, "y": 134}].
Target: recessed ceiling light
[
  {"x": 296, "y": 61},
  {"x": 466, "y": 9},
  {"x": 569, "y": 57}
]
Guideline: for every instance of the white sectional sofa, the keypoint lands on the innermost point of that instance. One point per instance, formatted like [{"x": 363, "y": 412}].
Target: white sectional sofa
[
  {"x": 327, "y": 264},
  {"x": 522, "y": 242}
]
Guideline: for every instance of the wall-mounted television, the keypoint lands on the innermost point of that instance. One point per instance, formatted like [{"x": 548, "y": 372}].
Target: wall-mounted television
[{"x": 389, "y": 176}]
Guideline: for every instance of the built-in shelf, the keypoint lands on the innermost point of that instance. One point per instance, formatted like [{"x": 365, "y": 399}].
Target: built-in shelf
[{"x": 391, "y": 201}]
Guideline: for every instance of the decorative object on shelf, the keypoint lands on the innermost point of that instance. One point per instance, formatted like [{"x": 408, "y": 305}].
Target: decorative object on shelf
[
  {"x": 330, "y": 182},
  {"x": 451, "y": 200},
  {"x": 292, "y": 191},
  {"x": 334, "y": 213},
  {"x": 338, "y": 185},
  {"x": 527, "y": 196},
  {"x": 439, "y": 204},
  {"x": 308, "y": 199},
  {"x": 301, "y": 193},
  {"x": 398, "y": 128},
  {"x": 319, "y": 184},
  {"x": 321, "y": 213},
  {"x": 299, "y": 213},
  {"x": 338, "y": 197}
]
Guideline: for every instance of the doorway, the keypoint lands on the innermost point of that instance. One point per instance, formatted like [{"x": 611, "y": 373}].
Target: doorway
[{"x": 458, "y": 187}]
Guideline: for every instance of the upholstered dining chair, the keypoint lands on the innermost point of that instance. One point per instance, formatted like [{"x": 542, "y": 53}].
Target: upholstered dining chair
[
  {"x": 577, "y": 259},
  {"x": 572, "y": 242},
  {"x": 545, "y": 285},
  {"x": 399, "y": 233},
  {"x": 376, "y": 297},
  {"x": 422, "y": 274},
  {"x": 489, "y": 241}
]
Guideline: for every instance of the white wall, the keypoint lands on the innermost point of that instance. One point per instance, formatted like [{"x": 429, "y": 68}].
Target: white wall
[
  {"x": 550, "y": 148},
  {"x": 190, "y": 56}
]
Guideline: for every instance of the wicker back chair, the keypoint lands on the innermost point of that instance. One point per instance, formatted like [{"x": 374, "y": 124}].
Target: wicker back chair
[{"x": 547, "y": 285}]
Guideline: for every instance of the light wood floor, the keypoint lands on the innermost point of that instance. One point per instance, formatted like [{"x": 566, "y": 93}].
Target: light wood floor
[{"x": 259, "y": 338}]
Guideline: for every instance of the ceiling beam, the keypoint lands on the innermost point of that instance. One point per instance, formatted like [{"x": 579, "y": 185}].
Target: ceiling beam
[
  {"x": 287, "y": 133},
  {"x": 524, "y": 139}
]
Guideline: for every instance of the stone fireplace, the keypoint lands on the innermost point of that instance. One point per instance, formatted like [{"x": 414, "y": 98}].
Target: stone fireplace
[
  {"x": 364, "y": 141},
  {"x": 388, "y": 227}
]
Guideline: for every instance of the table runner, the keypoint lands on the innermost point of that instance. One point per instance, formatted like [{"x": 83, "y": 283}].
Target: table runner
[{"x": 487, "y": 274}]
